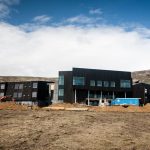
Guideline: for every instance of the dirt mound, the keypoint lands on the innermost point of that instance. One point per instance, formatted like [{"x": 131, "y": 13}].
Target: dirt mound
[
  {"x": 68, "y": 105},
  {"x": 13, "y": 106}
]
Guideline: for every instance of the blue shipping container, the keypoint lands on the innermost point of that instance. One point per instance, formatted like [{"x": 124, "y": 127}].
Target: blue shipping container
[{"x": 125, "y": 101}]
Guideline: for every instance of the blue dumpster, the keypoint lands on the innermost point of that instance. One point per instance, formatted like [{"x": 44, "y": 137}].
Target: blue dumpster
[{"x": 125, "y": 101}]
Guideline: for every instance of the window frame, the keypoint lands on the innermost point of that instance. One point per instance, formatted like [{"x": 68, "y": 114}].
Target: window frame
[{"x": 78, "y": 81}]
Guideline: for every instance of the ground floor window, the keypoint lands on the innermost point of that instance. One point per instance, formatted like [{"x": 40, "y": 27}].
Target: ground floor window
[
  {"x": 61, "y": 92},
  {"x": 17, "y": 95},
  {"x": 2, "y": 94},
  {"x": 34, "y": 94}
]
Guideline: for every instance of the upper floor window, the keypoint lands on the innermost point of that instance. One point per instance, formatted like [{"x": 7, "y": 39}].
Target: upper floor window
[
  {"x": 18, "y": 86},
  {"x": 99, "y": 83},
  {"x": 106, "y": 84},
  {"x": 92, "y": 82},
  {"x": 125, "y": 83},
  {"x": 61, "y": 80},
  {"x": 2, "y": 86},
  {"x": 35, "y": 85},
  {"x": 112, "y": 84},
  {"x": 78, "y": 81}
]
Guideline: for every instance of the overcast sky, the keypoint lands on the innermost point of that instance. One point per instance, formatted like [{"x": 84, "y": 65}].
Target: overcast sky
[{"x": 41, "y": 37}]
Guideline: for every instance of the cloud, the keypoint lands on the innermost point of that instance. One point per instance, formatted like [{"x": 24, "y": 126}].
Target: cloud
[
  {"x": 42, "y": 19},
  {"x": 96, "y": 12},
  {"x": 46, "y": 50},
  {"x": 5, "y": 7},
  {"x": 82, "y": 19}
]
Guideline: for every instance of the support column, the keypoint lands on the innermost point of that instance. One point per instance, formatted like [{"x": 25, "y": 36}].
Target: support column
[
  {"x": 113, "y": 95},
  {"x": 100, "y": 101},
  {"x": 75, "y": 96},
  {"x": 125, "y": 94},
  {"x": 88, "y": 97}
]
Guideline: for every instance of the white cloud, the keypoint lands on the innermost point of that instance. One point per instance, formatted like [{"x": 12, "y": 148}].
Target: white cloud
[
  {"x": 42, "y": 19},
  {"x": 46, "y": 50},
  {"x": 82, "y": 19},
  {"x": 5, "y": 7},
  {"x": 95, "y": 12}
]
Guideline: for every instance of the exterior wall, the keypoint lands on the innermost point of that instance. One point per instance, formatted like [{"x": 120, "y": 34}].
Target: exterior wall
[
  {"x": 54, "y": 91},
  {"x": 28, "y": 92},
  {"x": 142, "y": 90},
  {"x": 95, "y": 91},
  {"x": 68, "y": 89}
]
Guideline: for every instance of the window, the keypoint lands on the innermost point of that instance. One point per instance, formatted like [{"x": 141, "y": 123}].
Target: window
[
  {"x": 99, "y": 83},
  {"x": 78, "y": 81},
  {"x": 34, "y": 94},
  {"x": 2, "y": 86},
  {"x": 61, "y": 80},
  {"x": 106, "y": 84},
  {"x": 16, "y": 86},
  {"x": 35, "y": 85},
  {"x": 112, "y": 84},
  {"x": 1, "y": 94},
  {"x": 125, "y": 83},
  {"x": 20, "y": 86},
  {"x": 61, "y": 92},
  {"x": 15, "y": 95},
  {"x": 92, "y": 83},
  {"x": 19, "y": 94}
]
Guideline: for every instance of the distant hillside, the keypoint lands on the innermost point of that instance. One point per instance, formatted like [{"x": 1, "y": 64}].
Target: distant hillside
[
  {"x": 141, "y": 76},
  {"x": 24, "y": 78}
]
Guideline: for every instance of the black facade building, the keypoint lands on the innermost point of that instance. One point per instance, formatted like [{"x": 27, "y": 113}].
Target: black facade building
[
  {"x": 142, "y": 90},
  {"x": 90, "y": 85},
  {"x": 30, "y": 91}
]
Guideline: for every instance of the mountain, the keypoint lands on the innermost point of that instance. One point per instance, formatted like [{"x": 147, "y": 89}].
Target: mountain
[
  {"x": 24, "y": 78},
  {"x": 141, "y": 76}
]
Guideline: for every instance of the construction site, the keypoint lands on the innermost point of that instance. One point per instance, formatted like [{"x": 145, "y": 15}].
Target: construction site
[{"x": 74, "y": 126}]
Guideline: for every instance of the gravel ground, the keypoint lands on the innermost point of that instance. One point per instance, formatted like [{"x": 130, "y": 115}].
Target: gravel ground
[{"x": 72, "y": 130}]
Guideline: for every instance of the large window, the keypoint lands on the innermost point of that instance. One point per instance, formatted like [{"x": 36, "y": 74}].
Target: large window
[
  {"x": 92, "y": 82},
  {"x": 99, "y": 83},
  {"x": 78, "y": 81},
  {"x": 112, "y": 84},
  {"x": 106, "y": 84},
  {"x": 61, "y": 80},
  {"x": 61, "y": 92},
  {"x": 35, "y": 85},
  {"x": 34, "y": 94},
  {"x": 2, "y": 86},
  {"x": 125, "y": 83}
]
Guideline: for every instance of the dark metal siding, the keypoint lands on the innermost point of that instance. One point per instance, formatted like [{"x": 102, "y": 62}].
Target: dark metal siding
[{"x": 139, "y": 92}]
